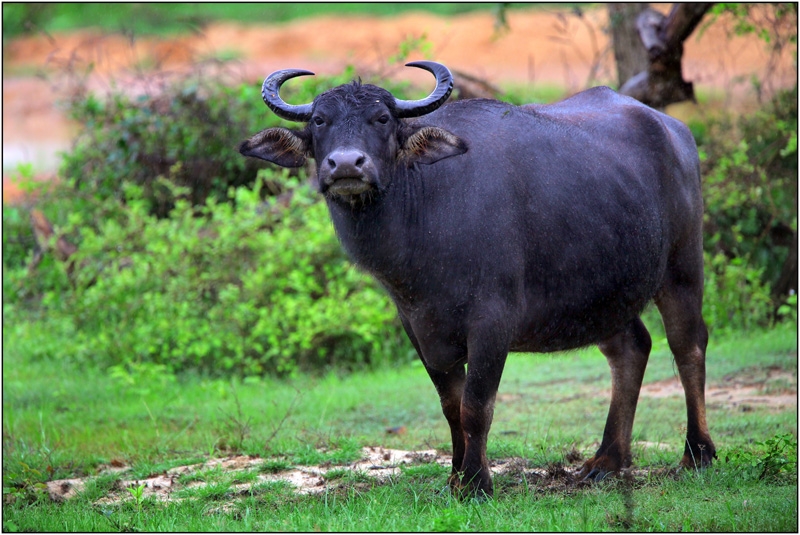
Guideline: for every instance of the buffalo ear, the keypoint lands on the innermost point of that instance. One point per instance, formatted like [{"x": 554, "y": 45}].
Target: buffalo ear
[
  {"x": 430, "y": 144},
  {"x": 277, "y": 145}
]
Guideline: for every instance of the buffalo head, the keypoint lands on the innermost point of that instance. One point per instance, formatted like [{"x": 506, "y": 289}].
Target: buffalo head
[{"x": 356, "y": 133}]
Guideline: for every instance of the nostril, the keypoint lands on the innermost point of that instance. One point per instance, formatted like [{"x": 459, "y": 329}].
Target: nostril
[
  {"x": 331, "y": 163},
  {"x": 360, "y": 161}
]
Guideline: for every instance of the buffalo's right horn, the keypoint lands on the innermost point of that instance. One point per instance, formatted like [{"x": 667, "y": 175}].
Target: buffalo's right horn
[{"x": 270, "y": 92}]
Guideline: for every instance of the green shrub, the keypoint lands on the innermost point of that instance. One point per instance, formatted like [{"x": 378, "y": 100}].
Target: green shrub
[
  {"x": 248, "y": 290},
  {"x": 749, "y": 168},
  {"x": 180, "y": 264},
  {"x": 735, "y": 295},
  {"x": 187, "y": 133}
]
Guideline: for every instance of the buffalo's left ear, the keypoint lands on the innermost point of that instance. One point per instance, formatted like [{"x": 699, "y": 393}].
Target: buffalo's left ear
[
  {"x": 430, "y": 144},
  {"x": 277, "y": 145}
]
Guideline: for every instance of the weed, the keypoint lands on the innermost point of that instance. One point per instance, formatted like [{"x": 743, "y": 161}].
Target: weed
[
  {"x": 206, "y": 475},
  {"x": 137, "y": 492},
  {"x": 777, "y": 458},
  {"x": 427, "y": 471},
  {"x": 336, "y": 473},
  {"x": 213, "y": 491},
  {"x": 243, "y": 476},
  {"x": 99, "y": 487},
  {"x": 235, "y": 427},
  {"x": 274, "y": 466},
  {"x": 25, "y": 484},
  {"x": 343, "y": 451}
]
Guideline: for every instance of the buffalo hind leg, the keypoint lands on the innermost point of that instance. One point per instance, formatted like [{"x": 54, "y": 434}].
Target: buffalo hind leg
[
  {"x": 627, "y": 353},
  {"x": 450, "y": 387},
  {"x": 681, "y": 311}
]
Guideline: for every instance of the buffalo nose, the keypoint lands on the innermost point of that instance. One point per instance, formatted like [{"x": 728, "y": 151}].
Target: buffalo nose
[{"x": 346, "y": 163}]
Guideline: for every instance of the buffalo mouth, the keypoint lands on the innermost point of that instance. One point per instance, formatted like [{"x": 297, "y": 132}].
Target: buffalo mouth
[{"x": 346, "y": 187}]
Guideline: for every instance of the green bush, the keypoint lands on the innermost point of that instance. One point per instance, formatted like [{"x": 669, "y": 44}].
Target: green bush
[
  {"x": 749, "y": 168},
  {"x": 188, "y": 133},
  {"x": 181, "y": 264},
  {"x": 735, "y": 295},
  {"x": 249, "y": 290}
]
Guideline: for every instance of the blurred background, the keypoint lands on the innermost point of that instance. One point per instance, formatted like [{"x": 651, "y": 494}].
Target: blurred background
[
  {"x": 550, "y": 50},
  {"x": 120, "y": 120}
]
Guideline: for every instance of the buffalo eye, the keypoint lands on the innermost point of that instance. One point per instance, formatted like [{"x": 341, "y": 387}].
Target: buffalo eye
[
  {"x": 383, "y": 119},
  {"x": 319, "y": 121}
]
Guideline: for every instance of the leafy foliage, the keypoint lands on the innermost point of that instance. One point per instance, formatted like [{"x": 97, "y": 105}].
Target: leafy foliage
[
  {"x": 188, "y": 258},
  {"x": 749, "y": 168},
  {"x": 245, "y": 289},
  {"x": 186, "y": 134},
  {"x": 776, "y": 458}
]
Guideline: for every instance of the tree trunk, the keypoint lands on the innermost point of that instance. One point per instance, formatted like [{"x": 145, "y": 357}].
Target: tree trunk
[
  {"x": 629, "y": 54},
  {"x": 662, "y": 82}
]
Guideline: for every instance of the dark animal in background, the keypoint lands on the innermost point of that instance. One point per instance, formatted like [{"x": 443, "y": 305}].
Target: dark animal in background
[{"x": 500, "y": 228}]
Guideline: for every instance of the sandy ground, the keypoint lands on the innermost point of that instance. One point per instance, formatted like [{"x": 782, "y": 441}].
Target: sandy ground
[{"x": 552, "y": 47}]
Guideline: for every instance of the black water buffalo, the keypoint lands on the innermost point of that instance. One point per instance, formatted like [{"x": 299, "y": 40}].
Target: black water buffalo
[{"x": 500, "y": 228}]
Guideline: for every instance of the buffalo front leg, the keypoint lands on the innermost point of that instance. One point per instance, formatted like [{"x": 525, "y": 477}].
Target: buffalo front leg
[
  {"x": 680, "y": 306},
  {"x": 486, "y": 359},
  {"x": 627, "y": 353},
  {"x": 450, "y": 387}
]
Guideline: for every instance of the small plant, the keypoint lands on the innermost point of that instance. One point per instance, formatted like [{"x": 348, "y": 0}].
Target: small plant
[
  {"x": 412, "y": 44},
  {"x": 788, "y": 310},
  {"x": 778, "y": 458},
  {"x": 235, "y": 427},
  {"x": 25, "y": 485},
  {"x": 137, "y": 492},
  {"x": 275, "y": 466}
]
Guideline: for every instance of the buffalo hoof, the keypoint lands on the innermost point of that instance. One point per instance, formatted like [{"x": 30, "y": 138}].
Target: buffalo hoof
[
  {"x": 469, "y": 491},
  {"x": 698, "y": 460},
  {"x": 598, "y": 468},
  {"x": 472, "y": 494},
  {"x": 594, "y": 475}
]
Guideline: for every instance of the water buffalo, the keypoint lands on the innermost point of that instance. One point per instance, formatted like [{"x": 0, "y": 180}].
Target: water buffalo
[{"x": 498, "y": 228}]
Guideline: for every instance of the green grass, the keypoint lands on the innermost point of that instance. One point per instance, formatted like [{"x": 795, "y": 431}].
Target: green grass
[{"x": 61, "y": 421}]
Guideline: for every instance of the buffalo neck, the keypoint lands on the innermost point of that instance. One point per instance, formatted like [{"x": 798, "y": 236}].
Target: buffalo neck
[{"x": 382, "y": 234}]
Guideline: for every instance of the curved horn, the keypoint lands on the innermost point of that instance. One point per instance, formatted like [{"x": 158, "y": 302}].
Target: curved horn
[
  {"x": 270, "y": 92},
  {"x": 444, "y": 85}
]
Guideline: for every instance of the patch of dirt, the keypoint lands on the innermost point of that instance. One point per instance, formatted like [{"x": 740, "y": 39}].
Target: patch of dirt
[
  {"x": 377, "y": 464},
  {"x": 770, "y": 389},
  {"x": 547, "y": 46}
]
